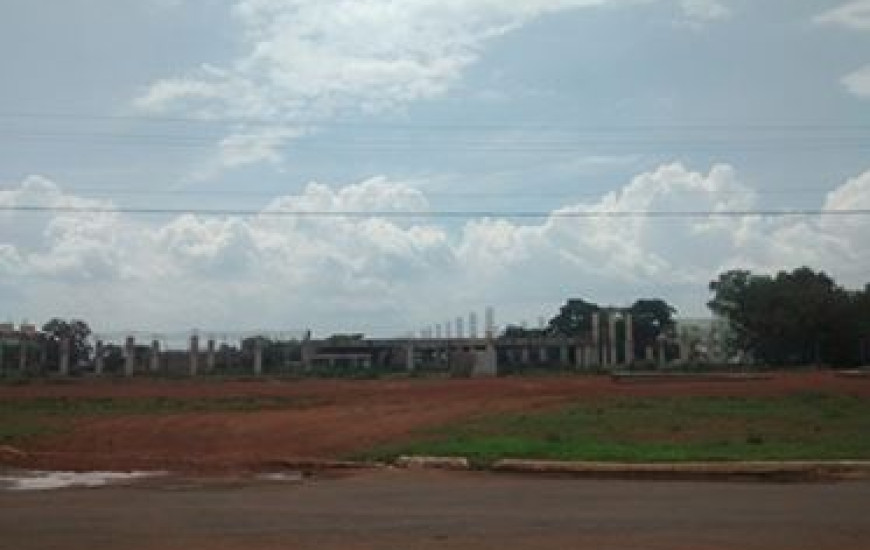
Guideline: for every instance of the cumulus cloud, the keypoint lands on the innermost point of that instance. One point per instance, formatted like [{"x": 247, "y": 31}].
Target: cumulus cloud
[
  {"x": 858, "y": 83},
  {"x": 853, "y": 15},
  {"x": 702, "y": 11},
  {"x": 387, "y": 275}
]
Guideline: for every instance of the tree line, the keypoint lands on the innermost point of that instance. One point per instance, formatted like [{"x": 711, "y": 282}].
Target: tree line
[{"x": 796, "y": 318}]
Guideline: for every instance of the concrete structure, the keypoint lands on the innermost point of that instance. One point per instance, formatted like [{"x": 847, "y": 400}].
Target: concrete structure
[
  {"x": 130, "y": 356},
  {"x": 472, "y": 325},
  {"x": 154, "y": 359},
  {"x": 490, "y": 323},
  {"x": 98, "y": 358},
  {"x": 612, "y": 359},
  {"x": 210, "y": 356},
  {"x": 629, "y": 338},
  {"x": 194, "y": 354},
  {"x": 258, "y": 357},
  {"x": 596, "y": 341},
  {"x": 64, "y": 356}
]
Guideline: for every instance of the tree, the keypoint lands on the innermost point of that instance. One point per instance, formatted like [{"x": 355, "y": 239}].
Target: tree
[
  {"x": 77, "y": 331},
  {"x": 794, "y": 318},
  {"x": 650, "y": 319},
  {"x": 574, "y": 318}
]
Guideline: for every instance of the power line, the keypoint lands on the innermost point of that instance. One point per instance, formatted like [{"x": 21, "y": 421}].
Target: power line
[
  {"x": 428, "y": 125},
  {"x": 444, "y": 214}
]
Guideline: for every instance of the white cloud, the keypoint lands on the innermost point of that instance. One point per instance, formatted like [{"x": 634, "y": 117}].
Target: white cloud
[
  {"x": 853, "y": 15},
  {"x": 390, "y": 275},
  {"x": 305, "y": 61},
  {"x": 858, "y": 83},
  {"x": 702, "y": 11}
]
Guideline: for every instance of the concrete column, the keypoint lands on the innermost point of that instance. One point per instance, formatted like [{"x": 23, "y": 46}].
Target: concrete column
[
  {"x": 154, "y": 359},
  {"x": 472, "y": 325},
  {"x": 685, "y": 348},
  {"x": 194, "y": 354},
  {"x": 460, "y": 327},
  {"x": 98, "y": 358},
  {"x": 629, "y": 339},
  {"x": 650, "y": 354},
  {"x": 438, "y": 331},
  {"x": 595, "y": 359},
  {"x": 565, "y": 356},
  {"x": 449, "y": 330},
  {"x": 22, "y": 355},
  {"x": 525, "y": 355},
  {"x": 486, "y": 362},
  {"x": 64, "y": 353},
  {"x": 210, "y": 360},
  {"x": 490, "y": 323},
  {"x": 543, "y": 355},
  {"x": 307, "y": 355},
  {"x": 258, "y": 357},
  {"x": 130, "y": 356},
  {"x": 663, "y": 359},
  {"x": 410, "y": 357},
  {"x": 611, "y": 339}
]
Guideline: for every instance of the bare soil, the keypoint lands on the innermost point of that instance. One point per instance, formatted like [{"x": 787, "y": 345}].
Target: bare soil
[{"x": 338, "y": 417}]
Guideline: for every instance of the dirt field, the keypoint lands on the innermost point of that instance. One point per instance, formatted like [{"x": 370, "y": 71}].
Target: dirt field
[
  {"x": 333, "y": 418},
  {"x": 429, "y": 510}
]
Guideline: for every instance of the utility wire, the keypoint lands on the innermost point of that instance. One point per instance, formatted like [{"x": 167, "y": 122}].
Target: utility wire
[{"x": 457, "y": 214}]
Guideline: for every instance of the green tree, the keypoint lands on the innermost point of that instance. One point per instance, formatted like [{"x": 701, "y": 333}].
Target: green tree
[
  {"x": 794, "y": 318},
  {"x": 650, "y": 319},
  {"x": 77, "y": 331},
  {"x": 574, "y": 318}
]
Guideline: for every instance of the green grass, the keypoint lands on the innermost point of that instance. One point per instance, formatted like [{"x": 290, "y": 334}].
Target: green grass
[
  {"x": 804, "y": 426},
  {"x": 25, "y": 419}
]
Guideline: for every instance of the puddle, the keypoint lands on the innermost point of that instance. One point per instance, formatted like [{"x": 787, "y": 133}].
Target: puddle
[
  {"x": 285, "y": 477},
  {"x": 49, "y": 481}
]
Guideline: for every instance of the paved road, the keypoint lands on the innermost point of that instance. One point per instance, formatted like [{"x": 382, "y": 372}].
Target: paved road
[{"x": 406, "y": 510}]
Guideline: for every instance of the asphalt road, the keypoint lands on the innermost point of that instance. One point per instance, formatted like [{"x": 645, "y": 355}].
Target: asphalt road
[{"x": 423, "y": 510}]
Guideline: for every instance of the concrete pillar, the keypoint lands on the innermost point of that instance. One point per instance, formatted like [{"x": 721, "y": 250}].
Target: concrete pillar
[
  {"x": 486, "y": 362},
  {"x": 565, "y": 356},
  {"x": 154, "y": 359},
  {"x": 98, "y": 358},
  {"x": 611, "y": 339},
  {"x": 22, "y": 355},
  {"x": 525, "y": 355},
  {"x": 307, "y": 355},
  {"x": 629, "y": 339},
  {"x": 258, "y": 357},
  {"x": 210, "y": 355},
  {"x": 130, "y": 356},
  {"x": 543, "y": 355},
  {"x": 438, "y": 331},
  {"x": 449, "y": 330},
  {"x": 685, "y": 348},
  {"x": 460, "y": 327},
  {"x": 472, "y": 325},
  {"x": 650, "y": 354},
  {"x": 663, "y": 358},
  {"x": 63, "y": 359},
  {"x": 194, "y": 355},
  {"x": 410, "y": 357},
  {"x": 595, "y": 359},
  {"x": 490, "y": 323}
]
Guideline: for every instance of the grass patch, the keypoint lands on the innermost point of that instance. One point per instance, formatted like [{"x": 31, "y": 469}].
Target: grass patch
[
  {"x": 672, "y": 429},
  {"x": 25, "y": 419}
]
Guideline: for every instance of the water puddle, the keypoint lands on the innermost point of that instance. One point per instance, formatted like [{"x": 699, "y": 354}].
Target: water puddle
[{"x": 50, "y": 481}]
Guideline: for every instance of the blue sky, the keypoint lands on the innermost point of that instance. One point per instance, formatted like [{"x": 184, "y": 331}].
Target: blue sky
[{"x": 420, "y": 105}]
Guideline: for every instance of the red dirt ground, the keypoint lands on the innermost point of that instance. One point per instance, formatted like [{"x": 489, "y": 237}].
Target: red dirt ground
[{"x": 339, "y": 417}]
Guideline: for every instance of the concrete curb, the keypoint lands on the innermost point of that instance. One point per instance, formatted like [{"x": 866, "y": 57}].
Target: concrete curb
[{"x": 782, "y": 470}]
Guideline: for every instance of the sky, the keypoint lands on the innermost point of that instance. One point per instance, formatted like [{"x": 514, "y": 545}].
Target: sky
[{"x": 155, "y": 157}]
